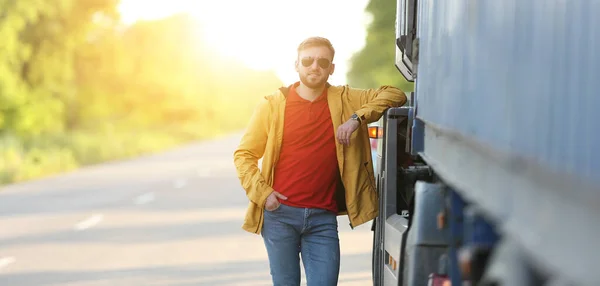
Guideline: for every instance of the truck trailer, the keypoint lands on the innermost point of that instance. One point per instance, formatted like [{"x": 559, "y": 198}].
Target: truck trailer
[{"x": 490, "y": 174}]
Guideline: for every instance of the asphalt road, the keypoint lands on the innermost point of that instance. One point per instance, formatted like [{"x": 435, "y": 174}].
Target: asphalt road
[{"x": 168, "y": 219}]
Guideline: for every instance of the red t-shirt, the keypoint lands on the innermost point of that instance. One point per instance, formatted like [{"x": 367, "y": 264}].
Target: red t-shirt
[{"x": 307, "y": 170}]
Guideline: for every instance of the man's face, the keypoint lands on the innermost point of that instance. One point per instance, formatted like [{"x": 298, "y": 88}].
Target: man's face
[{"x": 314, "y": 66}]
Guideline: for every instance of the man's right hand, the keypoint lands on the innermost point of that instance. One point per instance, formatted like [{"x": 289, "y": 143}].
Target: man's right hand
[{"x": 272, "y": 202}]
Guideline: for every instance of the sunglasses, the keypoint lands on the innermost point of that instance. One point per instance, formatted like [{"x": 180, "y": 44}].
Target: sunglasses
[{"x": 323, "y": 63}]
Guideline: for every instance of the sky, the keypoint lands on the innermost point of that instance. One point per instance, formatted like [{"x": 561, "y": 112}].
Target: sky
[{"x": 264, "y": 34}]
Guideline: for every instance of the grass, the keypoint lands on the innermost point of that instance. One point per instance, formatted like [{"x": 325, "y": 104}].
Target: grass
[{"x": 27, "y": 160}]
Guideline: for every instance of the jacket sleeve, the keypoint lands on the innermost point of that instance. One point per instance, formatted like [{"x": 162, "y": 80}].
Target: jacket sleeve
[
  {"x": 250, "y": 150},
  {"x": 371, "y": 103}
]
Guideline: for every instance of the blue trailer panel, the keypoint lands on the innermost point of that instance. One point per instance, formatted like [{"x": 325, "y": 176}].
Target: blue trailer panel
[
  {"x": 522, "y": 77},
  {"x": 508, "y": 92}
]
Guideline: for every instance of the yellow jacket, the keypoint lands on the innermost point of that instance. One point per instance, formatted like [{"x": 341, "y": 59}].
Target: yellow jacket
[{"x": 357, "y": 195}]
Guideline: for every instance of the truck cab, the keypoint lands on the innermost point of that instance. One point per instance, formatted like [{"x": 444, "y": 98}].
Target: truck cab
[{"x": 407, "y": 244}]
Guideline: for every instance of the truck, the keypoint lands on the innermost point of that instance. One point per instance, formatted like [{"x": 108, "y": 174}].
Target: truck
[{"x": 490, "y": 174}]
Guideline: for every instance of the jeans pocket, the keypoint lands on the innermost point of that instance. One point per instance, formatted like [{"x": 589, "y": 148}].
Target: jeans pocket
[{"x": 276, "y": 209}]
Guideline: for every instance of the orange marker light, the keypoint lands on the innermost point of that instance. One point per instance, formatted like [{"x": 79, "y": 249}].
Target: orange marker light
[{"x": 375, "y": 132}]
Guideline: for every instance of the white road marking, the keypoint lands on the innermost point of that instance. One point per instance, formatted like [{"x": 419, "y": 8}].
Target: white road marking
[
  {"x": 91, "y": 221},
  {"x": 144, "y": 199},
  {"x": 5, "y": 261},
  {"x": 180, "y": 183}
]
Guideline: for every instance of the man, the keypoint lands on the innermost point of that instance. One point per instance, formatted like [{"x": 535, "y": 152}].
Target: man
[{"x": 316, "y": 164}]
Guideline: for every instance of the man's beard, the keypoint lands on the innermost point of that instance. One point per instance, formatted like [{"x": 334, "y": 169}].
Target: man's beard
[{"x": 313, "y": 84}]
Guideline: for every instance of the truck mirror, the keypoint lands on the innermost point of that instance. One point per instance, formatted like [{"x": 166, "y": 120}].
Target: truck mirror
[{"x": 406, "y": 32}]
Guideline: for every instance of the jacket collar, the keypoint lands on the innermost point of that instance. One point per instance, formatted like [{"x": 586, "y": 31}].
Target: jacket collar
[{"x": 285, "y": 90}]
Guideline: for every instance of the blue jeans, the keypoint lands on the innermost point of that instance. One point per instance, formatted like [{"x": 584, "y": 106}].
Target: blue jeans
[{"x": 312, "y": 233}]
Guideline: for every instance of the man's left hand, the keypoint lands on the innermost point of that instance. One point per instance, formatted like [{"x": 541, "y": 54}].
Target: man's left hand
[{"x": 345, "y": 131}]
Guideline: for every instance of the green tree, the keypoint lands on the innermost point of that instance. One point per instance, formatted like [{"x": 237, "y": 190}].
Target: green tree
[
  {"x": 39, "y": 39},
  {"x": 374, "y": 65},
  {"x": 78, "y": 87},
  {"x": 36, "y": 81}
]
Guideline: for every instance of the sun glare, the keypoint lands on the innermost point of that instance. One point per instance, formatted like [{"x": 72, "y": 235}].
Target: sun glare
[{"x": 264, "y": 34}]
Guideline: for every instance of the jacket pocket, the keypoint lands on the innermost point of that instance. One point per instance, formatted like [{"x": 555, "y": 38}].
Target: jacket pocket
[{"x": 370, "y": 177}]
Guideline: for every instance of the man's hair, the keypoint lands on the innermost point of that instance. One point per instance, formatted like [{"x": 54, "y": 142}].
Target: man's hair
[{"x": 316, "y": 42}]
